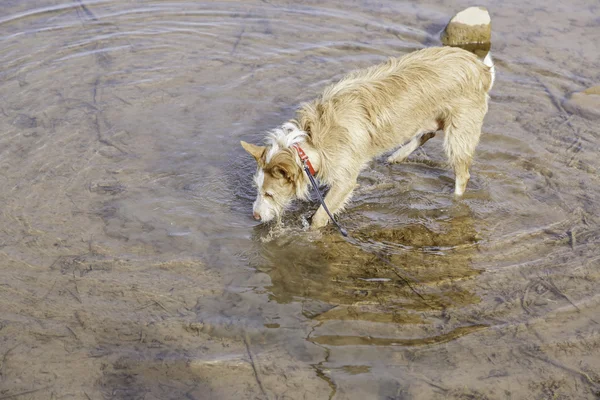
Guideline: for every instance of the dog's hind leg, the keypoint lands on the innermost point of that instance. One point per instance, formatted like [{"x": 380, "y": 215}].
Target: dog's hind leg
[
  {"x": 462, "y": 136},
  {"x": 407, "y": 149}
]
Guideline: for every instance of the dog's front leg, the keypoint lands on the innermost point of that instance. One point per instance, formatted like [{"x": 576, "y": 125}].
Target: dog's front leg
[{"x": 336, "y": 198}]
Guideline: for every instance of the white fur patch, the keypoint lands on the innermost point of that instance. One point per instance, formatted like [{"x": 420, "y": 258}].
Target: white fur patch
[
  {"x": 259, "y": 178},
  {"x": 264, "y": 207},
  {"x": 490, "y": 63},
  {"x": 283, "y": 137}
]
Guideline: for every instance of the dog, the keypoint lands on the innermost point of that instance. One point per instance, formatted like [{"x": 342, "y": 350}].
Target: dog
[{"x": 401, "y": 102}]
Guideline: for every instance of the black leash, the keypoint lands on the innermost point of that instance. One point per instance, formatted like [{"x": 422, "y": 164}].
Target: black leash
[
  {"x": 381, "y": 258},
  {"x": 322, "y": 201}
]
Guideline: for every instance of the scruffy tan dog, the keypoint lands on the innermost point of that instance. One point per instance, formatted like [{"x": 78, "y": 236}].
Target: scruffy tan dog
[{"x": 369, "y": 112}]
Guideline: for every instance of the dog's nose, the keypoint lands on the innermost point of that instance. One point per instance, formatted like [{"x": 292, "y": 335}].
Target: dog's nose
[{"x": 256, "y": 215}]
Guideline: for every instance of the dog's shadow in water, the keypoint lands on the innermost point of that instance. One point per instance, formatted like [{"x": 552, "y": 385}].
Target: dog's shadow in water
[{"x": 339, "y": 279}]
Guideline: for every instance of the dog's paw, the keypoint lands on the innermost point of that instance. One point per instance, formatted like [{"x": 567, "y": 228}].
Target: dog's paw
[
  {"x": 318, "y": 222},
  {"x": 400, "y": 155},
  {"x": 395, "y": 160}
]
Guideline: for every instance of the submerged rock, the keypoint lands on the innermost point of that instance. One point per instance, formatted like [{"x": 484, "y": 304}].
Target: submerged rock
[
  {"x": 25, "y": 121},
  {"x": 585, "y": 104},
  {"x": 470, "y": 29}
]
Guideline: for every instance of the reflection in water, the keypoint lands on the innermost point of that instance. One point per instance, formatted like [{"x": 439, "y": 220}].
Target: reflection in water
[
  {"x": 339, "y": 340},
  {"x": 401, "y": 275}
]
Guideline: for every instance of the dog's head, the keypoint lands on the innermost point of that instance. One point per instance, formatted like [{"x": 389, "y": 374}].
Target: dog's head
[{"x": 279, "y": 178}]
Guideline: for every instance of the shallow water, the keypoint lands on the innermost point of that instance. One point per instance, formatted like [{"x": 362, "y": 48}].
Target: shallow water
[{"x": 131, "y": 267}]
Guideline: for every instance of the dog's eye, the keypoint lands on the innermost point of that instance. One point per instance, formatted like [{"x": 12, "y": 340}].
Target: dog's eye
[{"x": 269, "y": 195}]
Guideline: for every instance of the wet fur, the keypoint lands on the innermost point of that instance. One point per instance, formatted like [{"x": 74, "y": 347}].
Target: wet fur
[{"x": 373, "y": 111}]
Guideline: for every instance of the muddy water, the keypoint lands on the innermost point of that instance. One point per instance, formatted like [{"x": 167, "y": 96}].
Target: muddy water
[{"x": 130, "y": 267}]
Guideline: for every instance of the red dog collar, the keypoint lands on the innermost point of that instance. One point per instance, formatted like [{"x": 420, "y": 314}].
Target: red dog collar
[{"x": 304, "y": 159}]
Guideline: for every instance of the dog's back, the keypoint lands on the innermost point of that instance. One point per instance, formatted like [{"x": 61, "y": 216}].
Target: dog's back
[
  {"x": 384, "y": 105},
  {"x": 438, "y": 68}
]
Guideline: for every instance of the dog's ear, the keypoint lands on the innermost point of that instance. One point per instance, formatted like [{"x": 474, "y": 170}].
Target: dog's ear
[
  {"x": 286, "y": 169},
  {"x": 254, "y": 150}
]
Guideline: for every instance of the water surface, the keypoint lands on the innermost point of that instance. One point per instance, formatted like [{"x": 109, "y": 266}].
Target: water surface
[{"x": 130, "y": 266}]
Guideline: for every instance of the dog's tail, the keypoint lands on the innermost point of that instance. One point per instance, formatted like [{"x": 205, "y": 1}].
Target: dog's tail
[{"x": 471, "y": 30}]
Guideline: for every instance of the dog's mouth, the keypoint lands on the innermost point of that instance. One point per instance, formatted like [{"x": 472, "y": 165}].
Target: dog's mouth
[
  {"x": 265, "y": 220},
  {"x": 264, "y": 214}
]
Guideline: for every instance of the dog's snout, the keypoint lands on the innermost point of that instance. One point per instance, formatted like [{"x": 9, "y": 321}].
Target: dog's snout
[{"x": 256, "y": 215}]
